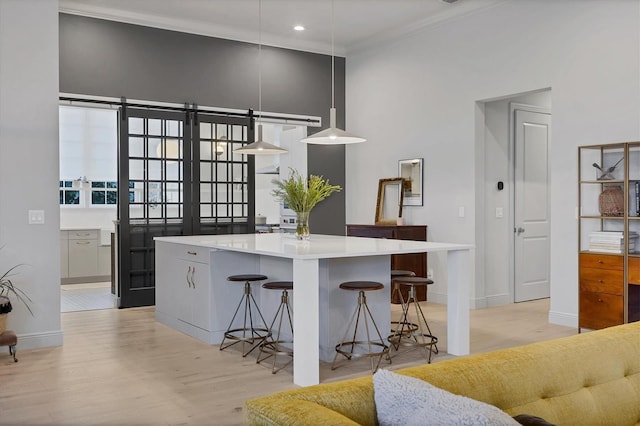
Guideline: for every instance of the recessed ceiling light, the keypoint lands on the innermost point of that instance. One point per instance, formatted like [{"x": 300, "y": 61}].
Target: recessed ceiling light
[{"x": 298, "y": 28}]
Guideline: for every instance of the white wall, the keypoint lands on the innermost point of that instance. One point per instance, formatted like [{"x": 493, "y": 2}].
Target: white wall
[
  {"x": 416, "y": 96},
  {"x": 28, "y": 166}
]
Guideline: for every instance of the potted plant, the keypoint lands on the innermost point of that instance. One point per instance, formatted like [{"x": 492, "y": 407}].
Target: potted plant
[
  {"x": 8, "y": 289},
  {"x": 301, "y": 195}
]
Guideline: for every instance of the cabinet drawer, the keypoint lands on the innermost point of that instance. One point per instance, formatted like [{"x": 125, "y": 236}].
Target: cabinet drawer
[
  {"x": 598, "y": 310},
  {"x": 602, "y": 280},
  {"x": 88, "y": 234},
  {"x": 602, "y": 261},
  {"x": 185, "y": 252},
  {"x": 634, "y": 270},
  {"x": 370, "y": 231}
]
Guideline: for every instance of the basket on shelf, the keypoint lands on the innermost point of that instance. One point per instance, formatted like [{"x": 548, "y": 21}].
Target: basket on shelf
[{"x": 611, "y": 201}]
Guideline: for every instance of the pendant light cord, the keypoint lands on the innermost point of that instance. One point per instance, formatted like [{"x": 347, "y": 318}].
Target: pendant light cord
[
  {"x": 259, "y": 59},
  {"x": 333, "y": 67}
]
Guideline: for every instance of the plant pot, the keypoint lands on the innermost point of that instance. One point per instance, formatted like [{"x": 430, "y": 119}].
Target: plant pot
[{"x": 5, "y": 308}]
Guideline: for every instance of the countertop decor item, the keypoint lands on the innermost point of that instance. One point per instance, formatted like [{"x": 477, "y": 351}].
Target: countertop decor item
[{"x": 301, "y": 195}]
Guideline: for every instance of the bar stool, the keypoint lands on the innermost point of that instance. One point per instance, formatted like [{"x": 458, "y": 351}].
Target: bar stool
[
  {"x": 276, "y": 346},
  {"x": 362, "y": 310},
  {"x": 411, "y": 331},
  {"x": 250, "y": 333}
]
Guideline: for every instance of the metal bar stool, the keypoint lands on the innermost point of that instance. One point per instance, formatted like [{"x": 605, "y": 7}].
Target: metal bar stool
[
  {"x": 411, "y": 331},
  {"x": 276, "y": 345},
  {"x": 250, "y": 333},
  {"x": 397, "y": 295},
  {"x": 362, "y": 310}
]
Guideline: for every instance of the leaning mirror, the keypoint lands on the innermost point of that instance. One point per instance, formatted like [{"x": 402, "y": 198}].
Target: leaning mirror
[
  {"x": 411, "y": 171},
  {"x": 389, "y": 204}
]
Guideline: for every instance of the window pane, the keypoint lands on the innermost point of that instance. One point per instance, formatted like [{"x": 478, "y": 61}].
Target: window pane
[
  {"x": 136, "y": 126},
  {"x": 112, "y": 197},
  {"x": 72, "y": 197},
  {"x": 97, "y": 184},
  {"x": 112, "y": 185},
  {"x": 136, "y": 147},
  {"x": 97, "y": 197}
]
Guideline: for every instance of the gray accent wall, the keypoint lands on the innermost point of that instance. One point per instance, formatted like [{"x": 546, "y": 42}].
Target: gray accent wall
[{"x": 114, "y": 59}]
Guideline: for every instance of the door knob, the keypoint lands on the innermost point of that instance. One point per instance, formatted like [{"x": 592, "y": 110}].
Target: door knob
[{"x": 519, "y": 231}]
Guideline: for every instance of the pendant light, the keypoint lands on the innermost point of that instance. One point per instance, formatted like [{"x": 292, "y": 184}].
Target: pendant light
[
  {"x": 260, "y": 147},
  {"x": 332, "y": 135}
]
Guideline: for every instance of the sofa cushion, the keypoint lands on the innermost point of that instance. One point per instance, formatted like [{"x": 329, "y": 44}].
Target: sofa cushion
[{"x": 403, "y": 400}]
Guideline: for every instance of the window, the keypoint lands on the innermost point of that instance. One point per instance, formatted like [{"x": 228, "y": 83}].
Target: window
[
  {"x": 68, "y": 194},
  {"x": 103, "y": 193}
]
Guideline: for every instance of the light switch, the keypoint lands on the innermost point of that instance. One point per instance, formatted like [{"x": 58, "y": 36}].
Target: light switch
[
  {"x": 36, "y": 217},
  {"x": 461, "y": 211},
  {"x": 499, "y": 212}
]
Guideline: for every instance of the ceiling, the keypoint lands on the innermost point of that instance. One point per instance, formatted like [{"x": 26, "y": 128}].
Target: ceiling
[{"x": 357, "y": 23}]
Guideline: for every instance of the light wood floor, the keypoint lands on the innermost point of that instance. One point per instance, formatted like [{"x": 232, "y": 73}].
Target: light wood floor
[{"x": 120, "y": 367}]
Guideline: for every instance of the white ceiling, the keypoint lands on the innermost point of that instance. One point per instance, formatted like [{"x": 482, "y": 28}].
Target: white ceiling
[{"x": 357, "y": 23}]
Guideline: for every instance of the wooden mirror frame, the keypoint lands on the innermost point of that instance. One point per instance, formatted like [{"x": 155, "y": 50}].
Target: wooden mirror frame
[{"x": 382, "y": 186}]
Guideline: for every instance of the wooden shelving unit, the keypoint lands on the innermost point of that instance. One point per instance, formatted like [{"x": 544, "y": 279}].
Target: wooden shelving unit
[{"x": 609, "y": 218}]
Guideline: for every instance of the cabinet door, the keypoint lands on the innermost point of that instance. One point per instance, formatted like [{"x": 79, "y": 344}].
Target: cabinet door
[
  {"x": 64, "y": 254},
  {"x": 200, "y": 295},
  {"x": 83, "y": 258}
]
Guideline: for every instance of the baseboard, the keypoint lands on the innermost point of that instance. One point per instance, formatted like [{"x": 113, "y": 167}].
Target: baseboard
[
  {"x": 83, "y": 280},
  {"x": 40, "y": 340},
  {"x": 498, "y": 300},
  {"x": 562, "y": 318}
]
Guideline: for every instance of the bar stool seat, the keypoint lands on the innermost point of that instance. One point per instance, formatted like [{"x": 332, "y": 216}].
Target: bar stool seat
[
  {"x": 276, "y": 345},
  {"x": 250, "y": 333},
  {"x": 369, "y": 348},
  {"x": 411, "y": 331}
]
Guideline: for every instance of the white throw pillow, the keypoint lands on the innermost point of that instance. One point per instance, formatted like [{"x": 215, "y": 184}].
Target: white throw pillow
[{"x": 403, "y": 400}]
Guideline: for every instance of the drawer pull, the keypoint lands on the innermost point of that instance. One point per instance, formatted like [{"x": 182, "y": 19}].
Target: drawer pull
[
  {"x": 599, "y": 300},
  {"x": 188, "y": 272},
  {"x": 601, "y": 281},
  {"x": 83, "y": 242},
  {"x": 600, "y": 261},
  {"x": 192, "y": 253}
]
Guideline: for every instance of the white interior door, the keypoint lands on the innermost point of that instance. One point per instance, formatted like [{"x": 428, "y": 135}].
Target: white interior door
[{"x": 531, "y": 212}]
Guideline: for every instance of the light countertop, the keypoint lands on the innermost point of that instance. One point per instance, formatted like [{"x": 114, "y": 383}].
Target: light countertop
[{"x": 317, "y": 247}]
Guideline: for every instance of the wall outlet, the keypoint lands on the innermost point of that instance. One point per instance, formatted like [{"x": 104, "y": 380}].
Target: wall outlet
[{"x": 430, "y": 273}]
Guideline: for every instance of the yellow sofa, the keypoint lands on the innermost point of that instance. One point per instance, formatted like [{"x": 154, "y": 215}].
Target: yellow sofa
[{"x": 589, "y": 379}]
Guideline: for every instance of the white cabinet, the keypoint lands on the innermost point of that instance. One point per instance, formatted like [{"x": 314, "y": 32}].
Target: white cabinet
[
  {"x": 183, "y": 289},
  {"x": 83, "y": 253},
  {"x": 82, "y": 257}
]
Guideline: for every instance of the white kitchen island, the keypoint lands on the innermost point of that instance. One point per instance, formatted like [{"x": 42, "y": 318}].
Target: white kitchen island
[{"x": 194, "y": 296}]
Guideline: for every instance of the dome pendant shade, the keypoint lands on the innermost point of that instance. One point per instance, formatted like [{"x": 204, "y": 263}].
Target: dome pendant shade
[
  {"x": 332, "y": 135},
  {"x": 260, "y": 147}
]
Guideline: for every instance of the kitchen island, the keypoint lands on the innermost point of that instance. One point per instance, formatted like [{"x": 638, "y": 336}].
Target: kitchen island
[{"x": 193, "y": 295}]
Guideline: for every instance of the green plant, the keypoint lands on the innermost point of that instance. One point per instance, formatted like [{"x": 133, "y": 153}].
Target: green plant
[
  {"x": 301, "y": 194},
  {"x": 7, "y": 288}
]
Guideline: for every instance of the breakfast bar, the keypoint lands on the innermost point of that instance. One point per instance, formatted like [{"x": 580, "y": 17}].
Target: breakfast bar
[{"x": 204, "y": 305}]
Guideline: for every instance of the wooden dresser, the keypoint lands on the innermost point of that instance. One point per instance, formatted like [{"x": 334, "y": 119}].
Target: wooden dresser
[
  {"x": 412, "y": 262},
  {"x": 601, "y": 290}
]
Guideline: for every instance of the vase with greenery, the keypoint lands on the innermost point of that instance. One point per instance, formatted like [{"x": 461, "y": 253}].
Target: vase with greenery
[
  {"x": 8, "y": 289},
  {"x": 301, "y": 195}
]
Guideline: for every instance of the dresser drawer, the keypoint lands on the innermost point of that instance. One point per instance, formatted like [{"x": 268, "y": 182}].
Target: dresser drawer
[
  {"x": 598, "y": 310},
  {"x": 602, "y": 280},
  {"x": 602, "y": 261},
  {"x": 634, "y": 270}
]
